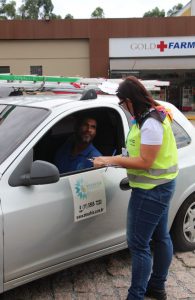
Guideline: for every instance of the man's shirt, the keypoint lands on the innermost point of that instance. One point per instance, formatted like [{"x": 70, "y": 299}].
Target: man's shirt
[{"x": 66, "y": 162}]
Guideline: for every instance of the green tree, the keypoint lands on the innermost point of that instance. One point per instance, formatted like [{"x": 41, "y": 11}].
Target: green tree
[
  {"x": 10, "y": 10},
  {"x": 155, "y": 13},
  {"x": 36, "y": 9},
  {"x": 7, "y": 10},
  {"x": 2, "y": 5},
  {"x": 174, "y": 10},
  {"x": 55, "y": 17},
  {"x": 68, "y": 17},
  {"x": 98, "y": 13},
  {"x": 29, "y": 9}
]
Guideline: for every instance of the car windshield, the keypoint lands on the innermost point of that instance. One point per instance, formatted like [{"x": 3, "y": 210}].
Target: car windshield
[{"x": 16, "y": 123}]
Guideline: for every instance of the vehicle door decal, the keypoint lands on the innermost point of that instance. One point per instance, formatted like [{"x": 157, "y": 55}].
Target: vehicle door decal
[{"x": 89, "y": 196}]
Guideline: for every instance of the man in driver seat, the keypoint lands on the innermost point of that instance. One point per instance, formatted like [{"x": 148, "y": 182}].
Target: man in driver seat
[{"x": 76, "y": 152}]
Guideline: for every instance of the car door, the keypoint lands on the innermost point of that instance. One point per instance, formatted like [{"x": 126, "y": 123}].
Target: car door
[{"x": 46, "y": 229}]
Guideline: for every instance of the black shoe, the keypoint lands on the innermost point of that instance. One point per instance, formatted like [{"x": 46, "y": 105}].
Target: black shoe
[{"x": 156, "y": 294}]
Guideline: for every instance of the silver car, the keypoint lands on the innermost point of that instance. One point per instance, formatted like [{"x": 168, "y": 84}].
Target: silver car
[{"x": 51, "y": 221}]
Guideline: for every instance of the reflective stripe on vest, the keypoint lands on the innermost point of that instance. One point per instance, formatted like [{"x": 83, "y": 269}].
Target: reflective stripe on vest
[
  {"x": 157, "y": 172},
  {"x": 144, "y": 179}
]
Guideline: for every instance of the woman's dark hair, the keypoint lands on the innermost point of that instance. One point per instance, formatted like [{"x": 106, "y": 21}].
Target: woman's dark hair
[{"x": 131, "y": 88}]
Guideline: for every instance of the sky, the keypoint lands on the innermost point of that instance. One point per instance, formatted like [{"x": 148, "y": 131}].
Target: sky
[{"x": 82, "y": 9}]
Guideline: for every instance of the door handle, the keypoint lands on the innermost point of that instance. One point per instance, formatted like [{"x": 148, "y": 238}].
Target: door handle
[{"x": 124, "y": 184}]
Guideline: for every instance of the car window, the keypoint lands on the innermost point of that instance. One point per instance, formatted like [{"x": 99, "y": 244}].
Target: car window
[
  {"x": 16, "y": 123},
  {"x": 109, "y": 136},
  {"x": 181, "y": 136}
]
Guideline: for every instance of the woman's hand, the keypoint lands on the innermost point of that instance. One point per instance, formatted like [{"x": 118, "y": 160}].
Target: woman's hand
[{"x": 148, "y": 154}]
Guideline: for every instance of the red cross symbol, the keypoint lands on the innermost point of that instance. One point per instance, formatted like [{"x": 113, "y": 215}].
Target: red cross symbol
[{"x": 162, "y": 46}]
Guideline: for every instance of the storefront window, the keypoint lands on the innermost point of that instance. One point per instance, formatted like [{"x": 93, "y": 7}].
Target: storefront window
[{"x": 181, "y": 91}]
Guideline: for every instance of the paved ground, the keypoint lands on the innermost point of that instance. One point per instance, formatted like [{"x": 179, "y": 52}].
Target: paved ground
[
  {"x": 105, "y": 278},
  {"x": 190, "y": 115}
]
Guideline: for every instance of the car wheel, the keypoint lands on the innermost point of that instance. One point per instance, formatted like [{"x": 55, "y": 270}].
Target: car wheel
[{"x": 183, "y": 228}]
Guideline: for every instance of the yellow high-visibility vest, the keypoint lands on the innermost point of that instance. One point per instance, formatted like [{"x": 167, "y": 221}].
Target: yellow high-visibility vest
[{"x": 165, "y": 166}]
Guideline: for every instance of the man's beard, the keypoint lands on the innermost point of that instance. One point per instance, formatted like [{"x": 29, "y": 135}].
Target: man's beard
[{"x": 86, "y": 139}]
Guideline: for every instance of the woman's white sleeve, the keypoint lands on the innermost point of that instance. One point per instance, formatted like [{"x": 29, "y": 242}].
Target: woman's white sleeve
[{"x": 152, "y": 132}]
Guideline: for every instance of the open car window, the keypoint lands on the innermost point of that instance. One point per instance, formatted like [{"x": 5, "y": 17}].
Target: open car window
[{"x": 109, "y": 135}]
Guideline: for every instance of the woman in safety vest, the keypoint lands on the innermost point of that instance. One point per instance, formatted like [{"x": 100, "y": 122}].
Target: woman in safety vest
[{"x": 152, "y": 166}]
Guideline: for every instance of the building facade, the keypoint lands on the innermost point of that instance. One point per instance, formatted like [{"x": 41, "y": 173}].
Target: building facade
[{"x": 149, "y": 48}]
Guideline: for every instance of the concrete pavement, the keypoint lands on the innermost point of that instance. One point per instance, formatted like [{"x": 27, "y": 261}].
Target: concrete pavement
[{"x": 106, "y": 278}]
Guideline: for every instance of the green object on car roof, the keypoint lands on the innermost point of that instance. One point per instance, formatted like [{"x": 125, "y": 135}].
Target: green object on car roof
[{"x": 36, "y": 78}]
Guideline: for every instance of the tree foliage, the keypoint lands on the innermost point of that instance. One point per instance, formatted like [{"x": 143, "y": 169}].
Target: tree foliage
[
  {"x": 161, "y": 13},
  {"x": 98, "y": 13},
  {"x": 55, "y": 17},
  {"x": 36, "y": 9},
  {"x": 156, "y": 12},
  {"x": 41, "y": 9},
  {"x": 68, "y": 17},
  {"x": 10, "y": 9},
  {"x": 7, "y": 10},
  {"x": 174, "y": 10},
  {"x": 30, "y": 9}
]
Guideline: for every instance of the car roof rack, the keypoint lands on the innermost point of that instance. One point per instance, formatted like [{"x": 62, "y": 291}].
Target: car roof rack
[
  {"x": 11, "y": 84},
  {"x": 89, "y": 94},
  {"x": 32, "y": 84}
]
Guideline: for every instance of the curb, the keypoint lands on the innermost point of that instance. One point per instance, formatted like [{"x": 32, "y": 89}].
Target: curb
[{"x": 190, "y": 117}]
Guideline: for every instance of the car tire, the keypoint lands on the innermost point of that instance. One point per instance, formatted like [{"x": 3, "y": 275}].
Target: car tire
[{"x": 183, "y": 228}]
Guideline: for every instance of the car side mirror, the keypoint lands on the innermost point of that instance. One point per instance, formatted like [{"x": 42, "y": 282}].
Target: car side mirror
[{"x": 41, "y": 172}]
